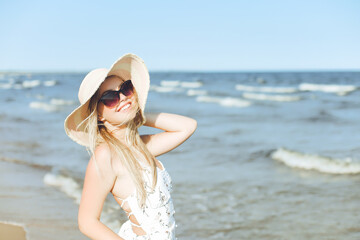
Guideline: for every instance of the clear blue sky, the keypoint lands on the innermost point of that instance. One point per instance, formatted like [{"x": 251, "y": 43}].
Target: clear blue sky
[{"x": 181, "y": 35}]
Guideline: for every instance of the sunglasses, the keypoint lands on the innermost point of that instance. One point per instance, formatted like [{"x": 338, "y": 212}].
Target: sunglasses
[{"x": 111, "y": 98}]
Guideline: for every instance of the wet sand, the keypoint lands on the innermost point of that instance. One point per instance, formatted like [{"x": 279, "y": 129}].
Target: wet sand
[
  {"x": 44, "y": 212},
  {"x": 12, "y": 231}
]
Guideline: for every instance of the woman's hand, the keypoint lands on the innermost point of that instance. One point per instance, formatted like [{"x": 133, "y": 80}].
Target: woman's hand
[{"x": 177, "y": 129}]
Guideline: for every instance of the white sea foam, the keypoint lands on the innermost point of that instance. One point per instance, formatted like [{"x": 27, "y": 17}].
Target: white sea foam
[
  {"x": 65, "y": 184},
  {"x": 316, "y": 162},
  {"x": 224, "y": 101},
  {"x": 194, "y": 92},
  {"x": 338, "y": 89},
  {"x": 49, "y": 83},
  {"x": 40, "y": 96},
  {"x": 44, "y": 106},
  {"x": 167, "y": 83},
  {"x": 14, "y": 223},
  {"x": 5, "y": 85},
  {"x": 26, "y": 84},
  {"x": 31, "y": 83},
  {"x": 73, "y": 190},
  {"x": 54, "y": 105},
  {"x": 183, "y": 84},
  {"x": 59, "y": 101},
  {"x": 191, "y": 84},
  {"x": 265, "y": 89},
  {"x": 164, "y": 89},
  {"x": 267, "y": 97}
]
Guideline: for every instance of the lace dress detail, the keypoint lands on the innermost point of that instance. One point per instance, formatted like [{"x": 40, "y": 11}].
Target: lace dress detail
[{"x": 157, "y": 218}]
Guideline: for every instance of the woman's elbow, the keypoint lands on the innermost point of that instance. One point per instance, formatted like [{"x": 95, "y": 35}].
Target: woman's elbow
[
  {"x": 81, "y": 226},
  {"x": 191, "y": 127},
  {"x": 85, "y": 225},
  {"x": 81, "y": 222},
  {"x": 194, "y": 125}
]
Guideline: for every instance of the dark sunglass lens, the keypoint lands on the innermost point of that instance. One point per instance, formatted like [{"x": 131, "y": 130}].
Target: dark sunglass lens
[
  {"x": 110, "y": 99},
  {"x": 127, "y": 88}
]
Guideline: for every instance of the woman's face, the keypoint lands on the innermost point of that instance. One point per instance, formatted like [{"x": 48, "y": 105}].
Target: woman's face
[{"x": 116, "y": 115}]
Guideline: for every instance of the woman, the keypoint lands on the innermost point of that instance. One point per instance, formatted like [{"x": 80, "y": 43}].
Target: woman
[{"x": 123, "y": 162}]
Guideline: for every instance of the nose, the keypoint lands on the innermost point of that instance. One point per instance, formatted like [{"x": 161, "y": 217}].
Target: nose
[{"x": 122, "y": 97}]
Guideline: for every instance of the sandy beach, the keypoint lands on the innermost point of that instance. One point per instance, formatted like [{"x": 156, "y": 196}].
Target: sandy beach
[
  {"x": 12, "y": 231},
  {"x": 26, "y": 201}
]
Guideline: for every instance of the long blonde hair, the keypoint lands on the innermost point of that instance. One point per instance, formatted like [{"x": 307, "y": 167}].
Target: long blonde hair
[{"x": 127, "y": 155}]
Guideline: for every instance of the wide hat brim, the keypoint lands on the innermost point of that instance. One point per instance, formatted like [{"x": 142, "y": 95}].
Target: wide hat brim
[{"x": 128, "y": 66}]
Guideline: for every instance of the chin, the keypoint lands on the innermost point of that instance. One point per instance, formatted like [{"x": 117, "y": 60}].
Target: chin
[{"x": 127, "y": 117}]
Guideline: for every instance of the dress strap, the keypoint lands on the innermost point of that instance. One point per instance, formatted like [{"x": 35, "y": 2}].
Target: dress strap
[
  {"x": 122, "y": 200},
  {"x": 122, "y": 203},
  {"x": 131, "y": 213},
  {"x": 118, "y": 197},
  {"x": 134, "y": 224}
]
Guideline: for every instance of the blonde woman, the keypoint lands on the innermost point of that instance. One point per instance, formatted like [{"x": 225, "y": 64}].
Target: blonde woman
[{"x": 122, "y": 162}]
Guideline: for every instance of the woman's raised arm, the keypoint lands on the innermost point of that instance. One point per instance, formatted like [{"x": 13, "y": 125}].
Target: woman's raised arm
[
  {"x": 93, "y": 196},
  {"x": 177, "y": 129}
]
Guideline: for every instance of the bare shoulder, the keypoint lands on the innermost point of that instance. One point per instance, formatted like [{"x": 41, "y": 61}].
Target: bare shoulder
[
  {"x": 101, "y": 159},
  {"x": 109, "y": 160},
  {"x": 103, "y": 151}
]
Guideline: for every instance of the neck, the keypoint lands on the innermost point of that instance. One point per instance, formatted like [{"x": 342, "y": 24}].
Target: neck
[{"x": 117, "y": 131}]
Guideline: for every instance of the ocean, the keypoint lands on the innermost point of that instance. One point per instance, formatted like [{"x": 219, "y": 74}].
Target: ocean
[{"x": 276, "y": 155}]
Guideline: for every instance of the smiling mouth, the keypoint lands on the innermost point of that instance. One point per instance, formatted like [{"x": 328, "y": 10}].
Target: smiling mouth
[{"x": 124, "y": 108}]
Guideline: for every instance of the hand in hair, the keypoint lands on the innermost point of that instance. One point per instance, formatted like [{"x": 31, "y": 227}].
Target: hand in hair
[{"x": 177, "y": 129}]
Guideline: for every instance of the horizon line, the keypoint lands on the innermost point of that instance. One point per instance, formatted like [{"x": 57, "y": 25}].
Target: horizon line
[{"x": 193, "y": 71}]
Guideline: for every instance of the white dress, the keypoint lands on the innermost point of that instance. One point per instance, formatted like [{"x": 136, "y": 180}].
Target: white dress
[{"x": 157, "y": 218}]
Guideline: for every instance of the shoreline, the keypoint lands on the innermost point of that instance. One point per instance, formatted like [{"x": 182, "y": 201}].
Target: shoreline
[
  {"x": 42, "y": 212},
  {"x": 12, "y": 231}
]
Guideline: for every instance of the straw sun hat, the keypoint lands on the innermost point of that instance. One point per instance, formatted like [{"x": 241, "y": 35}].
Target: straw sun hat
[{"x": 129, "y": 66}]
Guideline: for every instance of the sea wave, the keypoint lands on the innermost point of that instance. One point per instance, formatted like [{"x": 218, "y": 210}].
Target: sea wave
[
  {"x": 60, "y": 101},
  {"x": 158, "y": 88},
  {"x": 315, "y": 162},
  {"x": 48, "y": 107},
  {"x": 268, "y": 89},
  {"x": 54, "y": 105},
  {"x": 65, "y": 184},
  {"x": 62, "y": 181},
  {"x": 340, "y": 90},
  {"x": 268, "y": 97},
  {"x": 183, "y": 84},
  {"x": 191, "y": 84},
  {"x": 224, "y": 101},
  {"x": 330, "y": 88},
  {"x": 168, "y": 83},
  {"x": 195, "y": 92},
  {"x": 5, "y": 85},
  {"x": 31, "y": 83},
  {"x": 26, "y": 84},
  {"x": 50, "y": 83}
]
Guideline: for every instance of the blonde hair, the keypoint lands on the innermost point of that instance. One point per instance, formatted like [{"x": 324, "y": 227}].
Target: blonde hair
[{"x": 127, "y": 155}]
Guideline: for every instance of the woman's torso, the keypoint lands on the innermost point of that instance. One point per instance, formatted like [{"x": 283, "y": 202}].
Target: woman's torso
[
  {"x": 159, "y": 211},
  {"x": 124, "y": 185}
]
